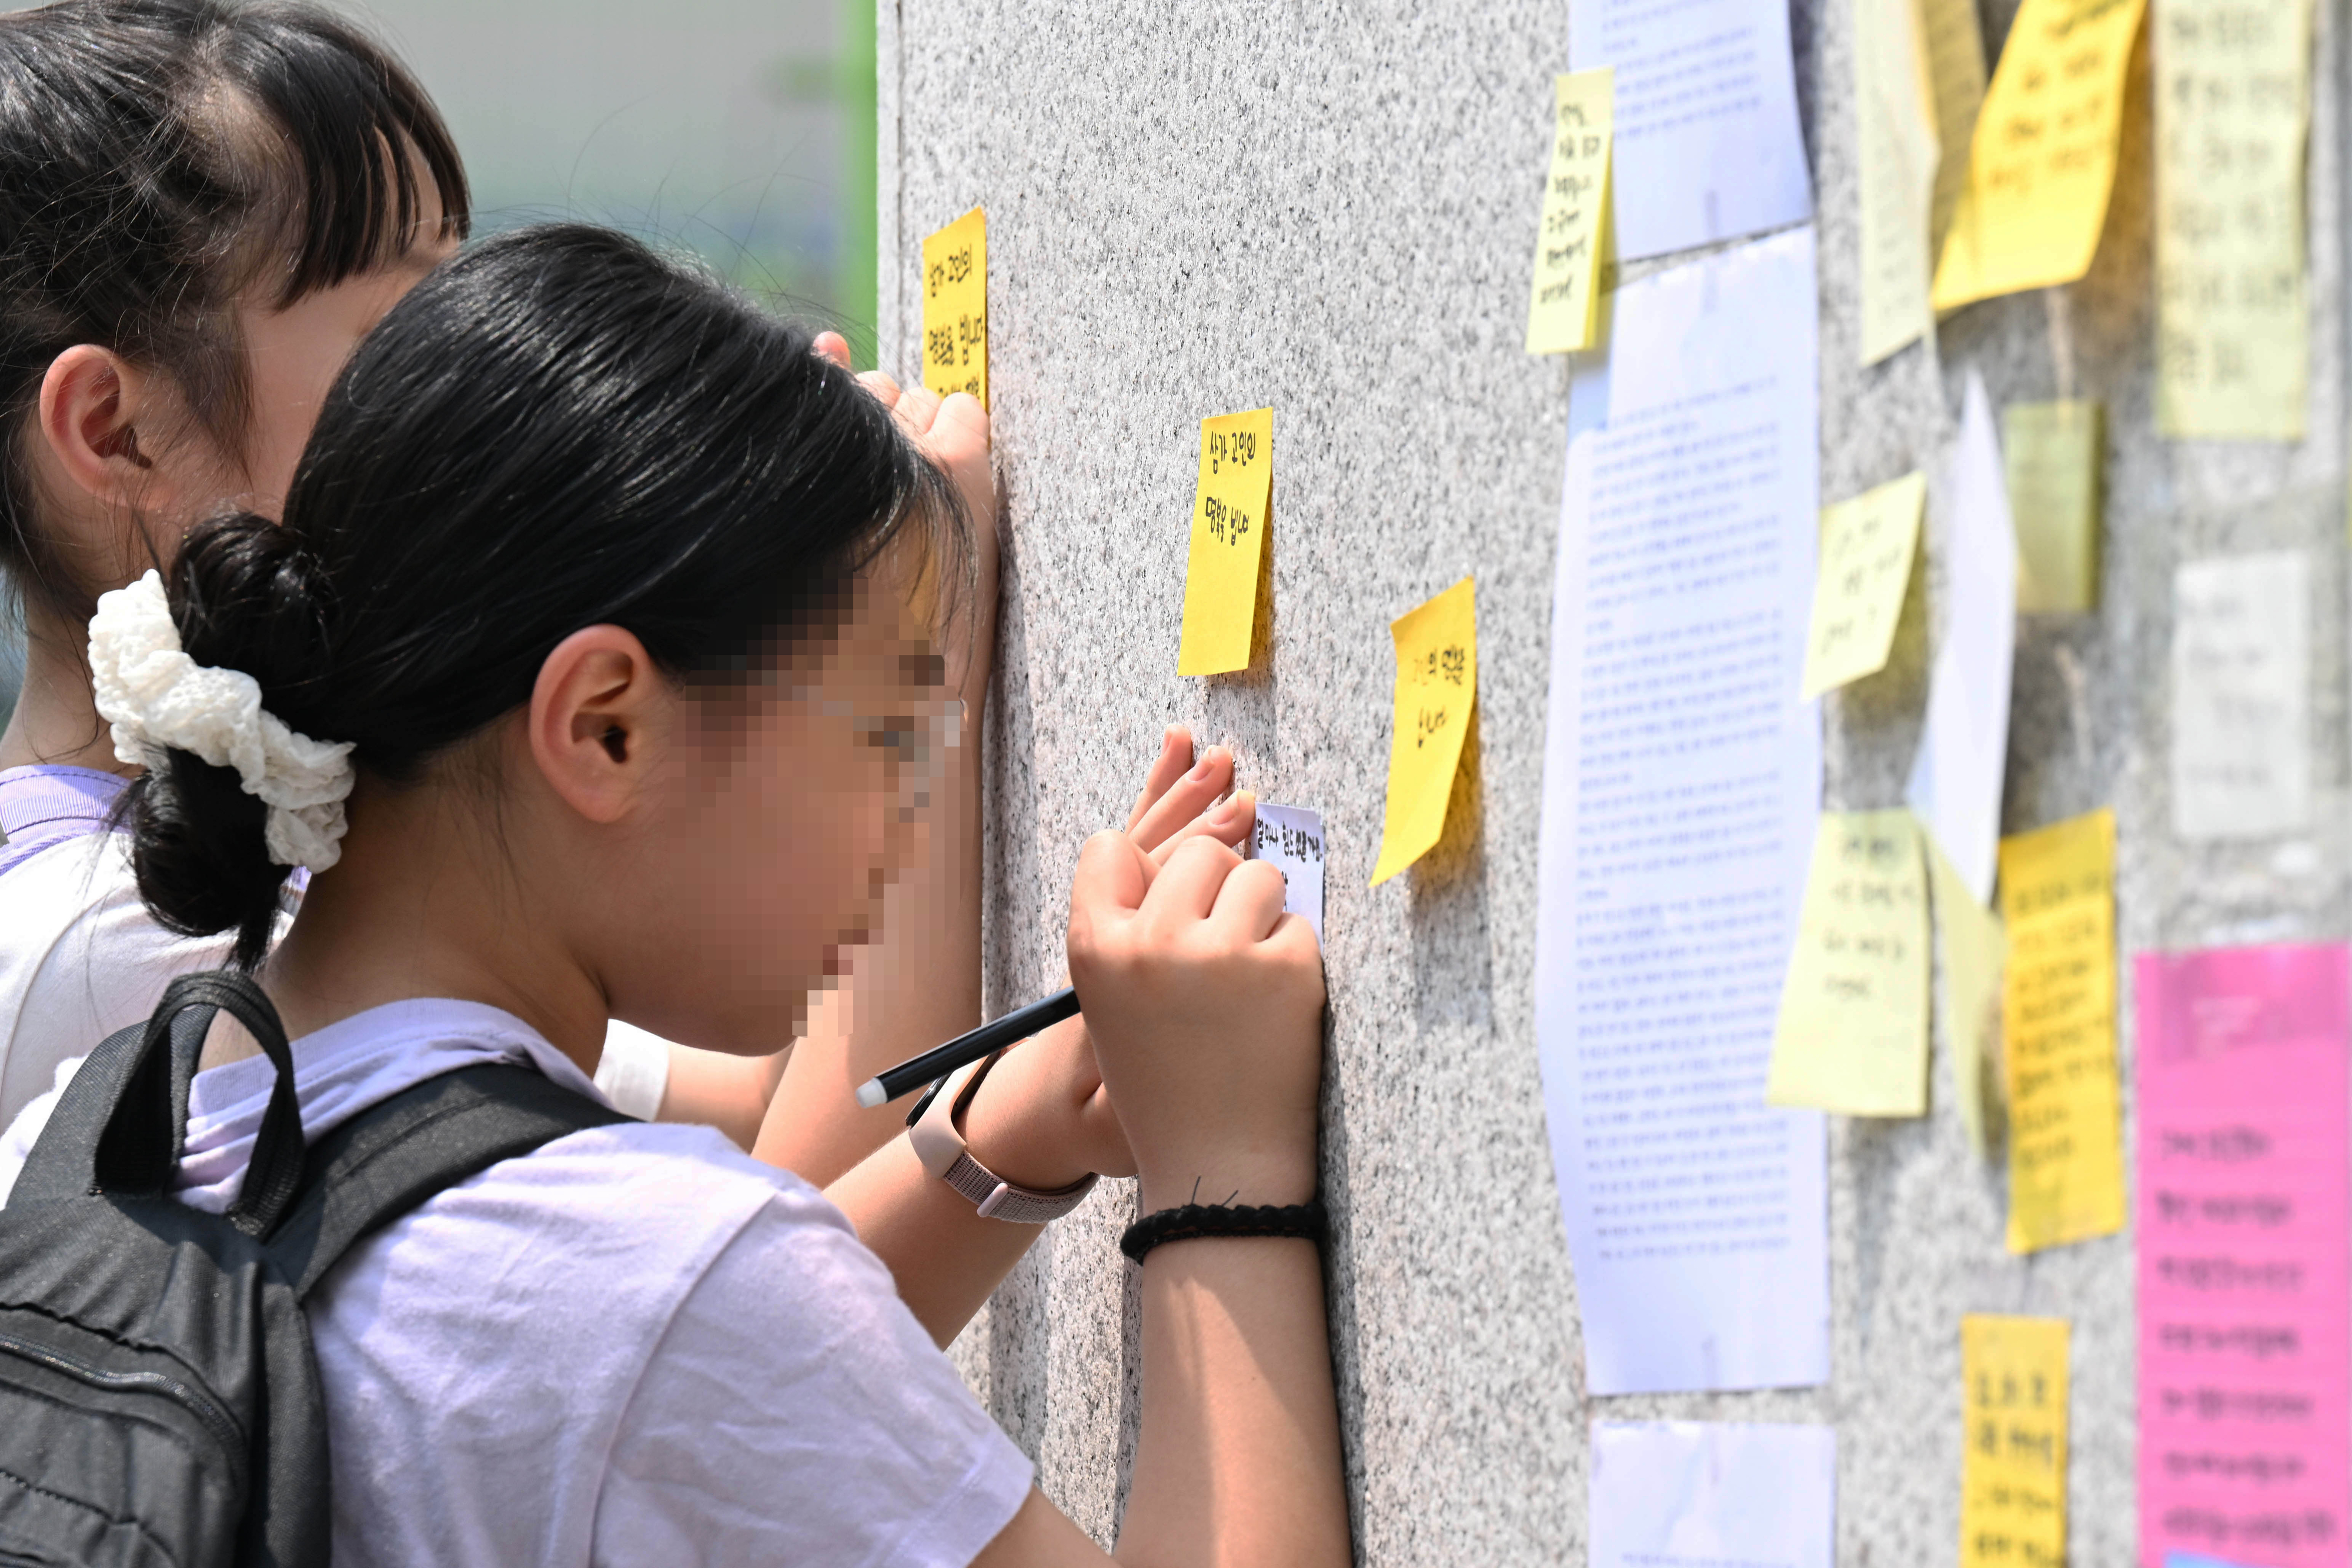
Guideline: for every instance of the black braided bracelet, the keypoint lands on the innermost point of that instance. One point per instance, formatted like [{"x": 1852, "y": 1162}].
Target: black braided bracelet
[{"x": 1308, "y": 1221}]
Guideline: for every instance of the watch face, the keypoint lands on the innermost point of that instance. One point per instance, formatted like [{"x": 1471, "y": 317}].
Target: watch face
[{"x": 923, "y": 1102}]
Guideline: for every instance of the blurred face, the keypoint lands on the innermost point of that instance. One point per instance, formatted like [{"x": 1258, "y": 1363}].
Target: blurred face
[{"x": 794, "y": 807}]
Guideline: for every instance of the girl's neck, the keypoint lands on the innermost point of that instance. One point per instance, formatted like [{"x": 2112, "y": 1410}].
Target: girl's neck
[{"x": 57, "y": 721}]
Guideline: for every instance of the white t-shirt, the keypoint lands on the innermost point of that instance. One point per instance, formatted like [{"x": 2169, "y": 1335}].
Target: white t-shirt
[
  {"x": 634, "y": 1345},
  {"x": 82, "y": 957}
]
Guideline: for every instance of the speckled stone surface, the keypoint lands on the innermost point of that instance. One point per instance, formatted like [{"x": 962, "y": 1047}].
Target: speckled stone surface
[{"x": 1329, "y": 207}]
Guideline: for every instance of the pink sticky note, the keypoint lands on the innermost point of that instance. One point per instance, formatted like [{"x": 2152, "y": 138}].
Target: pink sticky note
[{"x": 2245, "y": 1260}]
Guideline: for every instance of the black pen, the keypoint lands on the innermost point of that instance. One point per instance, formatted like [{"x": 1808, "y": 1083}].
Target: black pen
[{"x": 965, "y": 1049}]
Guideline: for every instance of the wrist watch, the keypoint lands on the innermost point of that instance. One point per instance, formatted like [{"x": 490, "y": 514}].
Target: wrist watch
[{"x": 938, "y": 1137}]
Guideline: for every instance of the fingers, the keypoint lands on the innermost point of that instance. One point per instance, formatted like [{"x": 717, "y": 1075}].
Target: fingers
[
  {"x": 1230, "y": 822},
  {"x": 833, "y": 346},
  {"x": 1250, "y": 900},
  {"x": 960, "y": 422},
  {"x": 1113, "y": 878},
  {"x": 1175, "y": 760},
  {"x": 917, "y": 408},
  {"x": 1186, "y": 887},
  {"x": 882, "y": 385},
  {"x": 1193, "y": 792}
]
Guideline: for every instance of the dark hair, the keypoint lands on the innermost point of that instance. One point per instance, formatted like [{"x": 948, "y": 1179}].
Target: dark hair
[
  {"x": 558, "y": 429},
  {"x": 159, "y": 157}
]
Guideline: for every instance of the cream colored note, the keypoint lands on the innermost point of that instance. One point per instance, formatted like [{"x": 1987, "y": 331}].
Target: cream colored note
[
  {"x": 2042, "y": 161},
  {"x": 1563, "y": 301},
  {"x": 2242, "y": 678},
  {"x": 1975, "y": 948},
  {"x": 1853, "y": 1030},
  {"x": 1867, "y": 544},
  {"x": 1956, "y": 66},
  {"x": 2058, "y": 1031},
  {"x": 2052, "y": 453},
  {"x": 2014, "y": 1378},
  {"x": 1895, "y": 127},
  {"x": 2233, "y": 116}
]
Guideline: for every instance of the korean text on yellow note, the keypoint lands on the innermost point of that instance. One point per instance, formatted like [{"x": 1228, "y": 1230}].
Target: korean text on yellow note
[
  {"x": 2015, "y": 1386},
  {"x": 955, "y": 308},
  {"x": 2058, "y": 1027},
  {"x": 1867, "y": 544},
  {"x": 2043, "y": 161},
  {"x": 1229, "y": 517},
  {"x": 1853, "y": 1029},
  {"x": 1895, "y": 125},
  {"x": 2233, "y": 112},
  {"x": 1563, "y": 302},
  {"x": 2052, "y": 451},
  {"x": 1436, "y": 687},
  {"x": 1975, "y": 948}
]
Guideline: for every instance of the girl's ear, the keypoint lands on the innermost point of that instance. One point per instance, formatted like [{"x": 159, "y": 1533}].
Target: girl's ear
[
  {"x": 599, "y": 711},
  {"x": 95, "y": 409}
]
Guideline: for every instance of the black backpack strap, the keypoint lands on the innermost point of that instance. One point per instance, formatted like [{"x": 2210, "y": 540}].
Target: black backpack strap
[{"x": 395, "y": 1156}]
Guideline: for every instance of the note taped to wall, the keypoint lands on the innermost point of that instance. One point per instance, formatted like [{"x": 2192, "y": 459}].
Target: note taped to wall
[
  {"x": 1853, "y": 1033},
  {"x": 2233, "y": 113},
  {"x": 1707, "y": 1494},
  {"x": 1894, "y": 127},
  {"x": 955, "y": 308},
  {"x": 1975, "y": 950},
  {"x": 2058, "y": 1028},
  {"x": 1956, "y": 64},
  {"x": 1564, "y": 299},
  {"x": 2241, "y": 696},
  {"x": 1867, "y": 544},
  {"x": 1230, "y": 506},
  {"x": 2043, "y": 161},
  {"x": 1697, "y": 1215},
  {"x": 1291, "y": 838},
  {"x": 1436, "y": 688},
  {"x": 1707, "y": 144},
  {"x": 2052, "y": 451},
  {"x": 2014, "y": 1382},
  {"x": 2245, "y": 1258}
]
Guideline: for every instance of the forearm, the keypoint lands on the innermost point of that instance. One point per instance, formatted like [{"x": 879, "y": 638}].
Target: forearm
[
  {"x": 915, "y": 986},
  {"x": 944, "y": 1257},
  {"x": 1239, "y": 1459},
  {"x": 729, "y": 1092}
]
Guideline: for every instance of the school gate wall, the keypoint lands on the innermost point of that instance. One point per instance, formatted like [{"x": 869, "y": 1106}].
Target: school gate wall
[{"x": 1328, "y": 207}]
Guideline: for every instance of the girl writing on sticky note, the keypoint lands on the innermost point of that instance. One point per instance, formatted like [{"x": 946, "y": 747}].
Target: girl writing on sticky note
[{"x": 628, "y": 618}]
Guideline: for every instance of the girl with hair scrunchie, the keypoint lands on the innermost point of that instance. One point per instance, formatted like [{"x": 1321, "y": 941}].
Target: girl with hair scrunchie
[
  {"x": 633, "y": 613},
  {"x": 204, "y": 205}
]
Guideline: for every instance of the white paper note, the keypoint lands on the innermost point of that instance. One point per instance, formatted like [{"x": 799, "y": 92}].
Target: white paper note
[
  {"x": 1699, "y": 1494},
  {"x": 1707, "y": 144},
  {"x": 1291, "y": 837},
  {"x": 1955, "y": 779},
  {"x": 1681, "y": 778},
  {"x": 2241, "y": 722}
]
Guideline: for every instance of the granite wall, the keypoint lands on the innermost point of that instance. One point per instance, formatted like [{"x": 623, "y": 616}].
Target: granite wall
[{"x": 1327, "y": 205}]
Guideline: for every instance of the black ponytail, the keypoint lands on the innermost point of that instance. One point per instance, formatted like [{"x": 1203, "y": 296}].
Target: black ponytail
[
  {"x": 557, "y": 430},
  {"x": 157, "y": 159}
]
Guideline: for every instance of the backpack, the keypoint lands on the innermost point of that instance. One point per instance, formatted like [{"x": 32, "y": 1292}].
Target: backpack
[{"x": 159, "y": 1400}]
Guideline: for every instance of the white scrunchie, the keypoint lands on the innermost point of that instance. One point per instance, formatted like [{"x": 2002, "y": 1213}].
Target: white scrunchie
[{"x": 155, "y": 697}]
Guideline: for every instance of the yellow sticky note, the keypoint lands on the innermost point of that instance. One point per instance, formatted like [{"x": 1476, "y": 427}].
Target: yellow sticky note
[
  {"x": 1895, "y": 125},
  {"x": 2014, "y": 1387},
  {"x": 1229, "y": 513},
  {"x": 1975, "y": 950},
  {"x": 1867, "y": 544},
  {"x": 1437, "y": 685},
  {"x": 2043, "y": 161},
  {"x": 1956, "y": 69},
  {"x": 1563, "y": 300},
  {"x": 1853, "y": 1030},
  {"x": 2058, "y": 1028},
  {"x": 2232, "y": 114},
  {"x": 2052, "y": 451},
  {"x": 955, "y": 308}
]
